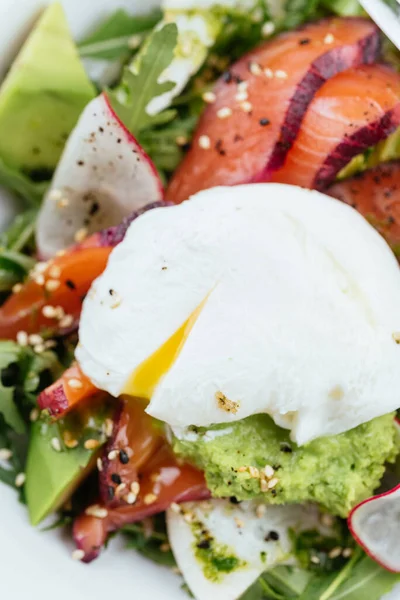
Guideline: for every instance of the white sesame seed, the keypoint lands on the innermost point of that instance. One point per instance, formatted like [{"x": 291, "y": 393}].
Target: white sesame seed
[
  {"x": 396, "y": 336},
  {"x": 188, "y": 517},
  {"x": 22, "y": 338},
  {"x": 78, "y": 554},
  {"x": 108, "y": 427},
  {"x": 50, "y": 344},
  {"x": 66, "y": 321},
  {"x": 315, "y": 560},
  {"x": 335, "y": 552},
  {"x": 96, "y": 511},
  {"x": 254, "y": 472},
  {"x": 20, "y": 479},
  {"x": 135, "y": 487},
  {"x": 241, "y": 96},
  {"x": 52, "y": 285},
  {"x": 175, "y": 508},
  {"x": 112, "y": 455},
  {"x": 55, "y": 271},
  {"x": 242, "y": 469},
  {"x": 204, "y": 142},
  {"x": 268, "y": 73},
  {"x": 224, "y": 113},
  {"x": 59, "y": 312},
  {"x": 71, "y": 443},
  {"x": 242, "y": 86},
  {"x": 39, "y": 348},
  {"x": 269, "y": 471},
  {"x": 246, "y": 106},
  {"x": 17, "y": 288},
  {"x": 34, "y": 415},
  {"x": 181, "y": 140},
  {"x": 116, "y": 300},
  {"x": 130, "y": 498},
  {"x": 5, "y": 454},
  {"x": 149, "y": 498},
  {"x": 134, "y": 41},
  {"x": 39, "y": 279},
  {"x": 272, "y": 483},
  {"x": 239, "y": 523},
  {"x": 261, "y": 510},
  {"x": 329, "y": 38},
  {"x": 34, "y": 339},
  {"x": 268, "y": 28},
  {"x": 63, "y": 203},
  {"x": 81, "y": 234},
  {"x": 55, "y": 444},
  {"x": 327, "y": 520},
  {"x": 61, "y": 252},
  {"x": 281, "y": 74},
  {"x": 120, "y": 488},
  {"x": 99, "y": 464},
  {"x": 75, "y": 383},
  {"x": 48, "y": 311},
  {"x": 165, "y": 547},
  {"x": 91, "y": 444},
  {"x": 255, "y": 69},
  {"x": 55, "y": 195},
  {"x": 264, "y": 485},
  {"x": 209, "y": 97},
  {"x": 347, "y": 552}
]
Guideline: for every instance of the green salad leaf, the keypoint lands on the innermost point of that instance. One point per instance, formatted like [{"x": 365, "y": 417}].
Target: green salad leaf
[
  {"x": 149, "y": 538},
  {"x": 16, "y": 248},
  {"x": 118, "y": 35},
  {"x": 24, "y": 187},
  {"x": 17, "y": 446},
  {"x": 140, "y": 83}
]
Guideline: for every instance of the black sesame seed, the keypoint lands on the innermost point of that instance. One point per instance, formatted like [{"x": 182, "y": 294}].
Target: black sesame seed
[
  {"x": 272, "y": 536},
  {"x": 9, "y": 375},
  {"x": 116, "y": 478},
  {"x": 204, "y": 545},
  {"x": 227, "y": 77},
  {"x": 304, "y": 41},
  {"x": 234, "y": 500},
  {"x": 123, "y": 457},
  {"x": 80, "y": 163},
  {"x": 286, "y": 448},
  {"x": 94, "y": 209},
  {"x": 70, "y": 284},
  {"x": 101, "y": 129},
  {"x": 111, "y": 492},
  {"x": 264, "y": 122}
]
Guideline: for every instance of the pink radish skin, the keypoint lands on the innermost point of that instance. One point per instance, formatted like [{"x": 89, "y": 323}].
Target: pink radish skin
[
  {"x": 103, "y": 176},
  {"x": 390, "y": 560}
]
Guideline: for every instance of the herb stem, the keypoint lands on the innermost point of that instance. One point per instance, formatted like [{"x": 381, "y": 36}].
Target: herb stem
[{"x": 342, "y": 576}]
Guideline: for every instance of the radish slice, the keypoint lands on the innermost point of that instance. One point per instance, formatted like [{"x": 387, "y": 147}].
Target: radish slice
[
  {"x": 256, "y": 538},
  {"x": 375, "y": 525},
  {"x": 103, "y": 176}
]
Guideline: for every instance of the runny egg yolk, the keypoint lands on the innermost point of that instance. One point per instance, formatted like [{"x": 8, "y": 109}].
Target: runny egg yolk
[{"x": 146, "y": 377}]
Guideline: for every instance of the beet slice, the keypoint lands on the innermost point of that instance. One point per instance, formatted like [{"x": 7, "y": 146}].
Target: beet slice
[
  {"x": 350, "y": 113},
  {"x": 103, "y": 175},
  {"x": 246, "y": 133},
  {"x": 376, "y": 195},
  {"x": 162, "y": 482},
  {"x": 134, "y": 440},
  {"x": 375, "y": 525}
]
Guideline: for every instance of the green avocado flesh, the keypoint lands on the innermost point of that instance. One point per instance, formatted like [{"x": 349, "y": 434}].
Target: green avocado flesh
[
  {"x": 51, "y": 476},
  {"x": 42, "y": 96},
  {"x": 338, "y": 472}
]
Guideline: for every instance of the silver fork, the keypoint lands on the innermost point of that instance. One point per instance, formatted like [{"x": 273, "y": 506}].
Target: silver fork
[{"x": 385, "y": 17}]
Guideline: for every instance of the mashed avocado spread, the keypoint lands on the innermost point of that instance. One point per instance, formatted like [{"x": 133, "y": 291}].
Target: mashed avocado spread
[{"x": 337, "y": 472}]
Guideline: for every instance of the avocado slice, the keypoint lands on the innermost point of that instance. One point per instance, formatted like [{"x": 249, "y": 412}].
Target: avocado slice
[
  {"x": 51, "y": 476},
  {"x": 42, "y": 96}
]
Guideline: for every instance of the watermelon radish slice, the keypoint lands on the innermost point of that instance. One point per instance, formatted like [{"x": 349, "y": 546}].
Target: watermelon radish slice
[
  {"x": 245, "y": 134},
  {"x": 103, "y": 176},
  {"x": 350, "y": 113},
  {"x": 375, "y": 525}
]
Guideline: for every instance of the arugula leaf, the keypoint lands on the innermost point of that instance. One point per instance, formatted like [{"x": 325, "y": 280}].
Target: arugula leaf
[
  {"x": 16, "y": 243},
  {"x": 17, "y": 444},
  {"x": 15, "y": 181},
  {"x": 113, "y": 38},
  {"x": 10, "y": 355},
  {"x": 141, "y": 85},
  {"x": 150, "y": 538},
  {"x": 281, "y": 583}
]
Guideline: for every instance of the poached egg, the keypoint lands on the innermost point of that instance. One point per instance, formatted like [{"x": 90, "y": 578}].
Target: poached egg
[{"x": 259, "y": 298}]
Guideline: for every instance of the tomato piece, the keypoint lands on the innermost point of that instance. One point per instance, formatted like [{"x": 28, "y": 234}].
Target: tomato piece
[
  {"x": 67, "y": 392},
  {"x": 162, "y": 482},
  {"x": 52, "y": 299}
]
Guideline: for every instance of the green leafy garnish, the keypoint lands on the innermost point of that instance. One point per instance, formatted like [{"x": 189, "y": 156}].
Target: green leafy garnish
[
  {"x": 113, "y": 39},
  {"x": 140, "y": 83},
  {"x": 16, "y": 246},
  {"x": 24, "y": 187},
  {"x": 150, "y": 539}
]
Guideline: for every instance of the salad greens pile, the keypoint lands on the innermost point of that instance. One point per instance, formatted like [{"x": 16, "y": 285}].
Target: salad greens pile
[{"x": 131, "y": 53}]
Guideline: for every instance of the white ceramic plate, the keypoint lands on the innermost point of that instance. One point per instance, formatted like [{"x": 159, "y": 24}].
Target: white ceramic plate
[{"x": 36, "y": 565}]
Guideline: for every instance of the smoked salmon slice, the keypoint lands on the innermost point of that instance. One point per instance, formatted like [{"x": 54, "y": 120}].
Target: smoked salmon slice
[
  {"x": 259, "y": 103},
  {"x": 376, "y": 195},
  {"x": 350, "y": 113}
]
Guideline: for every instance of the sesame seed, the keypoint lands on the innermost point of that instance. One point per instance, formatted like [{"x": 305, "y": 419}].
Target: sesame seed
[
  {"x": 130, "y": 498},
  {"x": 241, "y": 96},
  {"x": 34, "y": 415},
  {"x": 5, "y": 454},
  {"x": 134, "y": 41},
  {"x": 242, "y": 469},
  {"x": 188, "y": 517},
  {"x": 108, "y": 427},
  {"x": 269, "y": 471},
  {"x": 91, "y": 444},
  {"x": 40, "y": 267},
  {"x": 99, "y": 464},
  {"x": 50, "y": 344},
  {"x": 81, "y": 234},
  {"x": 268, "y": 28},
  {"x": 66, "y": 321},
  {"x": 39, "y": 279},
  {"x": 52, "y": 285},
  {"x": 55, "y": 271},
  {"x": 78, "y": 554},
  {"x": 272, "y": 483},
  {"x": 48, "y": 311},
  {"x": 55, "y": 444},
  {"x": 335, "y": 552},
  {"x": 204, "y": 142},
  {"x": 176, "y": 570},
  {"x": 116, "y": 478},
  {"x": 347, "y": 552},
  {"x": 239, "y": 523},
  {"x": 71, "y": 444},
  {"x": 120, "y": 488},
  {"x": 20, "y": 479},
  {"x": 254, "y": 472},
  {"x": 329, "y": 38},
  {"x": 315, "y": 560},
  {"x": 268, "y": 73},
  {"x": 209, "y": 97},
  {"x": 263, "y": 122},
  {"x": 224, "y": 112},
  {"x": 112, "y": 455},
  {"x": 123, "y": 457},
  {"x": 246, "y": 106},
  {"x": 96, "y": 511},
  {"x": 35, "y": 339},
  {"x": 59, "y": 312},
  {"x": 75, "y": 383},
  {"x": 61, "y": 252},
  {"x": 327, "y": 520},
  {"x": 281, "y": 74},
  {"x": 175, "y": 508},
  {"x": 261, "y": 510},
  {"x": 22, "y": 338},
  {"x": 116, "y": 300},
  {"x": 55, "y": 195},
  {"x": 264, "y": 485},
  {"x": 255, "y": 69},
  {"x": 135, "y": 487},
  {"x": 39, "y": 348},
  {"x": 149, "y": 498},
  {"x": 63, "y": 203},
  {"x": 242, "y": 86},
  {"x": 181, "y": 140},
  {"x": 395, "y": 336},
  {"x": 17, "y": 288},
  {"x": 165, "y": 547}
]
